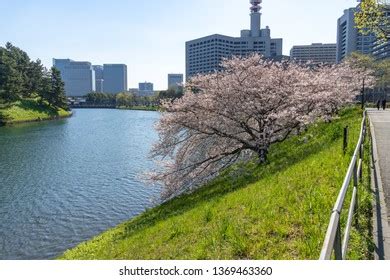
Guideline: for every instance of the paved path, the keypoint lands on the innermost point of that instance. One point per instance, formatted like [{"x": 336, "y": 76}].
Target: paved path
[{"x": 381, "y": 122}]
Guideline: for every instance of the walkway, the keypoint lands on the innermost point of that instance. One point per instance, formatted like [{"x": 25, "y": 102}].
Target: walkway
[{"x": 381, "y": 180}]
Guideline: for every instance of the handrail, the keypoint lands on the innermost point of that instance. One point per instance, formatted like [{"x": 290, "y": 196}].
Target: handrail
[{"x": 333, "y": 240}]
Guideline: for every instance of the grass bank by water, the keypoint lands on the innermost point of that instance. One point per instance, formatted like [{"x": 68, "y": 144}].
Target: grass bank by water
[
  {"x": 29, "y": 110},
  {"x": 277, "y": 211},
  {"x": 140, "y": 108}
]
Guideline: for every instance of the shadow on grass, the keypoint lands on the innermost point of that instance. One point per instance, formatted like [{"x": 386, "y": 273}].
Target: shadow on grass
[
  {"x": 3, "y": 119},
  {"x": 31, "y": 104},
  {"x": 318, "y": 138}
]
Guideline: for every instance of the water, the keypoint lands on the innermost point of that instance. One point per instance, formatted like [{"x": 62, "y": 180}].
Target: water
[{"x": 63, "y": 182}]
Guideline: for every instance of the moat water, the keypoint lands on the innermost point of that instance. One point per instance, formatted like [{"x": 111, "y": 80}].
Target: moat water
[{"x": 63, "y": 182}]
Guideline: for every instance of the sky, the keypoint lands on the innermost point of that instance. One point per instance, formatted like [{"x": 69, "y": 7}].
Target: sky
[{"x": 149, "y": 36}]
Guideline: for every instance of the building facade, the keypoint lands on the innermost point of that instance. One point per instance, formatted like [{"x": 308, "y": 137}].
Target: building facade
[
  {"x": 381, "y": 50},
  {"x": 175, "y": 80},
  {"x": 99, "y": 81},
  {"x": 349, "y": 39},
  {"x": 78, "y": 76},
  {"x": 316, "y": 53},
  {"x": 204, "y": 55},
  {"x": 115, "y": 78},
  {"x": 145, "y": 89}
]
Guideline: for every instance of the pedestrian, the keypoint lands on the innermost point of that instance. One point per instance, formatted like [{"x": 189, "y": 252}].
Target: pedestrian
[
  {"x": 378, "y": 104},
  {"x": 384, "y": 103}
]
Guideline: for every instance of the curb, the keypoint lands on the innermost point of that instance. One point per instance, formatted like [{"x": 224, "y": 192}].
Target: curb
[{"x": 381, "y": 228}]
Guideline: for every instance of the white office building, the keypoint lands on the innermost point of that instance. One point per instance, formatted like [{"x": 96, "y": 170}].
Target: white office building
[
  {"x": 78, "y": 76},
  {"x": 204, "y": 55},
  {"x": 349, "y": 39},
  {"x": 175, "y": 80},
  {"x": 316, "y": 53}
]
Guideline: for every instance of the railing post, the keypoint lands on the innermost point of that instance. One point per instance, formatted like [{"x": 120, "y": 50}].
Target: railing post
[
  {"x": 345, "y": 139},
  {"x": 361, "y": 152},
  {"x": 355, "y": 186},
  {"x": 338, "y": 251},
  {"x": 355, "y": 174}
]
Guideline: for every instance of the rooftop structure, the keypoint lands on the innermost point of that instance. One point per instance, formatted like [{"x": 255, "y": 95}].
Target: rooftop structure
[{"x": 204, "y": 55}]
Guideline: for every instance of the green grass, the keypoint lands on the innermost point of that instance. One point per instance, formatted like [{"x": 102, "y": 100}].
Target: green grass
[
  {"x": 277, "y": 211},
  {"x": 28, "y": 110}
]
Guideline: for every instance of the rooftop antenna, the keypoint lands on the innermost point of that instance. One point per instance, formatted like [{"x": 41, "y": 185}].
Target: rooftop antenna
[
  {"x": 255, "y": 17},
  {"x": 255, "y": 8}
]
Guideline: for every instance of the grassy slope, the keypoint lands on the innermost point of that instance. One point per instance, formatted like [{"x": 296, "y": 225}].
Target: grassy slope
[
  {"x": 278, "y": 211},
  {"x": 29, "y": 110}
]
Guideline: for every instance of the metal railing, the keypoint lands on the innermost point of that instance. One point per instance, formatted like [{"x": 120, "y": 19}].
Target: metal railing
[{"x": 333, "y": 241}]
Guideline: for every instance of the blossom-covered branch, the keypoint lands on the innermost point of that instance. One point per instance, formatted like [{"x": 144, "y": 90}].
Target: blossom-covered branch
[{"x": 238, "y": 113}]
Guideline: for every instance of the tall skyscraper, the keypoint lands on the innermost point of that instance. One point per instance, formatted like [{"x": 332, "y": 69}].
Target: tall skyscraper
[
  {"x": 316, "y": 53},
  {"x": 78, "y": 76},
  {"x": 115, "y": 78},
  {"x": 99, "y": 78},
  {"x": 204, "y": 55},
  {"x": 349, "y": 39},
  {"x": 175, "y": 80}
]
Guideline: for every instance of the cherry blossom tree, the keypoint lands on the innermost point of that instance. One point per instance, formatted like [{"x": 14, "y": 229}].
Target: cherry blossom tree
[{"x": 238, "y": 113}]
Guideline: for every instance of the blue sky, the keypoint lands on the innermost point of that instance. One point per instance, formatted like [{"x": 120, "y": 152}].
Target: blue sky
[{"x": 149, "y": 36}]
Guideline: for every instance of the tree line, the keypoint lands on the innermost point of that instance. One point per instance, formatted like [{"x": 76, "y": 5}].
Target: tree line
[
  {"x": 130, "y": 100},
  {"x": 380, "y": 70},
  {"x": 22, "y": 78}
]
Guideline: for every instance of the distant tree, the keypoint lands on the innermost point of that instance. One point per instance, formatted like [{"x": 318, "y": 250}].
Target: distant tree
[
  {"x": 237, "y": 114},
  {"x": 125, "y": 100},
  {"x": 35, "y": 74},
  {"x": 98, "y": 98},
  {"x": 371, "y": 18},
  {"x": 380, "y": 69},
  {"x": 362, "y": 61},
  {"x": 58, "y": 89},
  {"x": 23, "y": 62},
  {"x": 172, "y": 93},
  {"x": 22, "y": 78},
  {"x": 53, "y": 91},
  {"x": 365, "y": 63},
  {"x": 11, "y": 79}
]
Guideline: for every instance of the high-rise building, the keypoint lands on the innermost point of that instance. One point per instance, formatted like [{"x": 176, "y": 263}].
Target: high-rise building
[
  {"x": 78, "y": 76},
  {"x": 115, "y": 78},
  {"x": 175, "y": 80},
  {"x": 145, "y": 89},
  {"x": 316, "y": 53},
  {"x": 204, "y": 55},
  {"x": 381, "y": 50},
  {"x": 349, "y": 39},
  {"x": 99, "y": 78}
]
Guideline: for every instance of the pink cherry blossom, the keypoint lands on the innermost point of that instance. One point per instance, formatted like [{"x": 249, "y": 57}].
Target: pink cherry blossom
[{"x": 238, "y": 113}]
